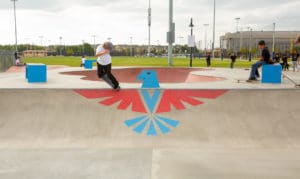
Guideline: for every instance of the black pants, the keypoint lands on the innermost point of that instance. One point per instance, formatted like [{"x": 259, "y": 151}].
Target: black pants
[
  {"x": 232, "y": 64},
  {"x": 105, "y": 70},
  {"x": 208, "y": 63},
  {"x": 285, "y": 65}
]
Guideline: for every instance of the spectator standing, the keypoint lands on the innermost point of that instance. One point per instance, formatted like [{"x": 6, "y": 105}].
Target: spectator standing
[{"x": 233, "y": 60}]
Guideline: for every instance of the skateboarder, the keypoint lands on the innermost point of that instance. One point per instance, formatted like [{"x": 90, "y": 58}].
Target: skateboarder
[
  {"x": 104, "y": 65},
  {"x": 264, "y": 59}
]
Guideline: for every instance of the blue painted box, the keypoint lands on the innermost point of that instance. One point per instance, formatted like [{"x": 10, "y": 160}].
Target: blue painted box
[
  {"x": 36, "y": 73},
  {"x": 271, "y": 74},
  {"x": 88, "y": 64}
]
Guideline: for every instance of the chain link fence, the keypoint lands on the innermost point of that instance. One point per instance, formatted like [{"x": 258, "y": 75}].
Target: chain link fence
[{"x": 6, "y": 60}]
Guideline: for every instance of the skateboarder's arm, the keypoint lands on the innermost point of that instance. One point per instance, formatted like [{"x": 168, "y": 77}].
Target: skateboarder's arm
[{"x": 98, "y": 54}]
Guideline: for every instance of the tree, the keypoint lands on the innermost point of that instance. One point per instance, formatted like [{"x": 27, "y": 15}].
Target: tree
[
  {"x": 69, "y": 51},
  {"x": 244, "y": 51},
  {"x": 254, "y": 51},
  {"x": 88, "y": 49}
]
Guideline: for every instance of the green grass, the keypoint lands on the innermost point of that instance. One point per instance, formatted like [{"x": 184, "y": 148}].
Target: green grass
[{"x": 139, "y": 61}]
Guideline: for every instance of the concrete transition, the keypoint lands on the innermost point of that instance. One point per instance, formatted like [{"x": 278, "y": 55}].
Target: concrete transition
[
  {"x": 149, "y": 134},
  {"x": 165, "y": 75}
]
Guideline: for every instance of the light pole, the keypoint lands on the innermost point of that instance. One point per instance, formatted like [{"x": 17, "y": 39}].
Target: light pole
[
  {"x": 237, "y": 31},
  {"x": 180, "y": 40},
  {"x": 171, "y": 34},
  {"x": 16, "y": 32},
  {"x": 237, "y": 23},
  {"x": 27, "y": 42},
  {"x": 214, "y": 31},
  {"x": 191, "y": 55},
  {"x": 94, "y": 36},
  {"x": 149, "y": 29},
  {"x": 131, "y": 51},
  {"x": 241, "y": 42},
  {"x": 83, "y": 53},
  {"x": 273, "y": 46},
  {"x": 60, "y": 45},
  {"x": 250, "y": 44},
  {"x": 205, "y": 39},
  {"x": 41, "y": 40}
]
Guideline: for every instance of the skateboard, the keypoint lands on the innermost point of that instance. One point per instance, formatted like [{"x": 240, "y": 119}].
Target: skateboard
[
  {"x": 245, "y": 81},
  {"x": 297, "y": 85}
]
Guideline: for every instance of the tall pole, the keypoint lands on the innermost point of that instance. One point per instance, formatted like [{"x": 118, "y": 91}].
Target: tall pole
[
  {"x": 237, "y": 31},
  {"x": 214, "y": 31},
  {"x": 41, "y": 38},
  {"x": 205, "y": 39},
  {"x": 149, "y": 30},
  {"x": 241, "y": 42},
  {"x": 180, "y": 40},
  {"x": 250, "y": 44},
  {"x": 237, "y": 23},
  {"x": 171, "y": 33},
  {"x": 60, "y": 44},
  {"x": 191, "y": 55},
  {"x": 274, "y": 33},
  {"x": 131, "y": 52},
  {"x": 83, "y": 50},
  {"x": 94, "y": 36},
  {"x": 16, "y": 32}
]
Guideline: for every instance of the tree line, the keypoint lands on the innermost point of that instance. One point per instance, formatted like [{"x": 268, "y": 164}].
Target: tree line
[{"x": 89, "y": 50}]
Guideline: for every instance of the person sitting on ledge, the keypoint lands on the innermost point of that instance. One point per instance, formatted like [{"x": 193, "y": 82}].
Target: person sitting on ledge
[
  {"x": 263, "y": 60},
  {"x": 19, "y": 62}
]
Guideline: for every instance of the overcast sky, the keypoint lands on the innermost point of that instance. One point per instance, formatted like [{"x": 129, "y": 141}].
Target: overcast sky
[{"x": 77, "y": 20}]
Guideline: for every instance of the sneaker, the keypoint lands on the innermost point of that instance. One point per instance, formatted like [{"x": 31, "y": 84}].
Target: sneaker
[
  {"x": 118, "y": 88},
  {"x": 251, "y": 80}
]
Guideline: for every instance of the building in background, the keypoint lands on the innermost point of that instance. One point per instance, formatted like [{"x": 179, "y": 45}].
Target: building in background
[
  {"x": 35, "y": 53},
  {"x": 242, "y": 43}
]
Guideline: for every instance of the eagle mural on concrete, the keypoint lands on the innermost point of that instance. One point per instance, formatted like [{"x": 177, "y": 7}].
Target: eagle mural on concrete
[{"x": 151, "y": 103}]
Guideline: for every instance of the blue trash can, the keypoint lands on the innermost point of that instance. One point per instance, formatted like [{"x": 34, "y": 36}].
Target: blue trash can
[
  {"x": 36, "y": 73},
  {"x": 88, "y": 64},
  {"x": 272, "y": 74}
]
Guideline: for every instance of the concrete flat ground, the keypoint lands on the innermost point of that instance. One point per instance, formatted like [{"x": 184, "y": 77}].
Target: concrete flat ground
[
  {"x": 199, "y": 78},
  {"x": 218, "y": 134}
]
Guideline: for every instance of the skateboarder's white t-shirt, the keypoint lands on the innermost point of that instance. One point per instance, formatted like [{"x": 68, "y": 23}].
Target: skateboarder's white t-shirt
[{"x": 103, "y": 59}]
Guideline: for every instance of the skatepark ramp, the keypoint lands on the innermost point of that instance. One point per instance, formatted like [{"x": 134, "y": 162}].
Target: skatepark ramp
[{"x": 63, "y": 133}]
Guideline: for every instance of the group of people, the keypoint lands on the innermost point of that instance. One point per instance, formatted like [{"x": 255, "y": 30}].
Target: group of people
[{"x": 283, "y": 60}]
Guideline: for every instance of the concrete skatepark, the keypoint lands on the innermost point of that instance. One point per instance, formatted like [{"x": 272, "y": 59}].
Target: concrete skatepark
[{"x": 63, "y": 129}]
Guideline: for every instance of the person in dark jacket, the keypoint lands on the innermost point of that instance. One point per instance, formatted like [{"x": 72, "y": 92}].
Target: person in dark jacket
[
  {"x": 208, "y": 60},
  {"x": 285, "y": 63},
  {"x": 265, "y": 58},
  {"x": 277, "y": 58},
  {"x": 233, "y": 60}
]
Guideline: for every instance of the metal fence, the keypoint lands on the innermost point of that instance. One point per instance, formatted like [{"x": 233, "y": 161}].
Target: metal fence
[{"x": 6, "y": 60}]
